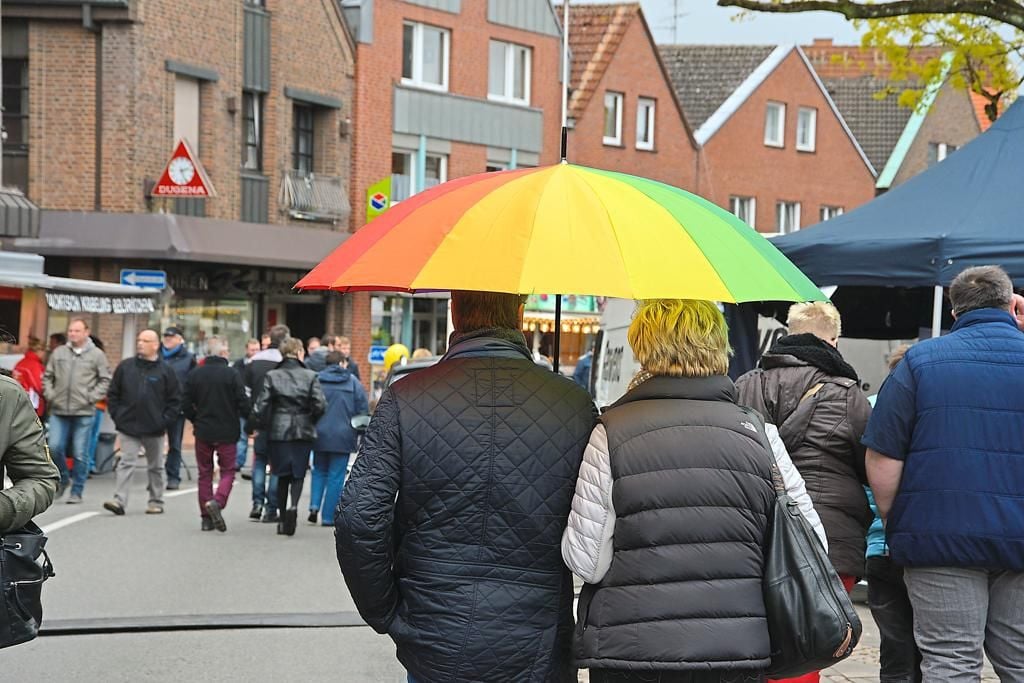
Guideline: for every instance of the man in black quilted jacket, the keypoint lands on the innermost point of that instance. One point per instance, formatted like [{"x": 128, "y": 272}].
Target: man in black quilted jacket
[{"x": 449, "y": 527}]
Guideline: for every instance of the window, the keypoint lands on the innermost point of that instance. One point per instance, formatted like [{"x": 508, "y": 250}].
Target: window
[
  {"x": 645, "y": 123},
  {"x": 613, "y": 118},
  {"x": 775, "y": 125},
  {"x": 302, "y": 139},
  {"x": 806, "y": 129},
  {"x": 252, "y": 121},
  {"x": 186, "y": 111},
  {"x": 508, "y": 77},
  {"x": 425, "y": 56},
  {"x": 15, "y": 122},
  {"x": 403, "y": 174},
  {"x": 256, "y": 3},
  {"x": 937, "y": 151},
  {"x": 744, "y": 208},
  {"x": 830, "y": 212},
  {"x": 787, "y": 215}
]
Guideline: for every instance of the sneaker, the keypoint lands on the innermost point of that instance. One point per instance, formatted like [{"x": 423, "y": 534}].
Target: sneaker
[
  {"x": 74, "y": 499},
  {"x": 155, "y": 509},
  {"x": 114, "y": 507},
  {"x": 270, "y": 517},
  {"x": 247, "y": 475},
  {"x": 213, "y": 508},
  {"x": 207, "y": 524},
  {"x": 313, "y": 514},
  {"x": 173, "y": 485},
  {"x": 257, "y": 512}
]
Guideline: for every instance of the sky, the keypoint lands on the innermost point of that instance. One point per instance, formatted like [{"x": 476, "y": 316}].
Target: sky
[{"x": 704, "y": 22}]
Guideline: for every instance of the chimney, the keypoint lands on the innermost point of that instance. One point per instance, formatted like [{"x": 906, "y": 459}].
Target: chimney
[{"x": 822, "y": 42}]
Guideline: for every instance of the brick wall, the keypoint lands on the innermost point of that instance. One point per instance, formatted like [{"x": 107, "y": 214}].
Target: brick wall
[{"x": 951, "y": 121}]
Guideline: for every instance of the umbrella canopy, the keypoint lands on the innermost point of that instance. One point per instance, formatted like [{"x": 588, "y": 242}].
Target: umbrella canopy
[
  {"x": 563, "y": 228},
  {"x": 965, "y": 211}
]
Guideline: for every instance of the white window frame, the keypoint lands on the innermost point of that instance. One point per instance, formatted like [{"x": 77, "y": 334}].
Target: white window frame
[
  {"x": 417, "y": 56},
  {"x": 734, "y": 206},
  {"x": 618, "y": 98},
  {"x": 780, "y": 129},
  {"x": 510, "y": 51},
  {"x": 651, "y": 104},
  {"x": 412, "y": 154},
  {"x": 807, "y": 147},
  {"x": 780, "y": 208},
  {"x": 827, "y": 213}
]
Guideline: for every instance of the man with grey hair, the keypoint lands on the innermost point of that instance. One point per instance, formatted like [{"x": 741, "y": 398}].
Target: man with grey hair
[
  {"x": 215, "y": 402},
  {"x": 946, "y": 464}
]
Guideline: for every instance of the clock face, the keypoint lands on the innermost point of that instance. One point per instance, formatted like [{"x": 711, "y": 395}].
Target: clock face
[{"x": 181, "y": 170}]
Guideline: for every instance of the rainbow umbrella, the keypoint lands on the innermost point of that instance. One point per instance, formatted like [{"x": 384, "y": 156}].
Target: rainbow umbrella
[{"x": 563, "y": 228}]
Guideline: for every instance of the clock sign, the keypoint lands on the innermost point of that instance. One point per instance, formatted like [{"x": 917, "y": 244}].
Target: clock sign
[{"x": 184, "y": 175}]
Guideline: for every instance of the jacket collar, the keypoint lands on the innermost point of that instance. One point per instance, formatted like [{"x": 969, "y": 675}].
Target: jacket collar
[
  {"x": 291, "y": 362},
  {"x": 714, "y": 388},
  {"x": 168, "y": 353},
  {"x": 488, "y": 343},
  {"x": 981, "y": 316},
  {"x": 335, "y": 373},
  {"x": 271, "y": 355},
  {"x": 215, "y": 360}
]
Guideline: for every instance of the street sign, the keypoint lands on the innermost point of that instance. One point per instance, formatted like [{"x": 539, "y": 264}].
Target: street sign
[
  {"x": 377, "y": 355},
  {"x": 150, "y": 279},
  {"x": 184, "y": 175},
  {"x": 378, "y": 198}
]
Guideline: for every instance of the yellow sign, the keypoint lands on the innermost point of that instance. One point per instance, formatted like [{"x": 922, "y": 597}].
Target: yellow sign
[{"x": 378, "y": 198}]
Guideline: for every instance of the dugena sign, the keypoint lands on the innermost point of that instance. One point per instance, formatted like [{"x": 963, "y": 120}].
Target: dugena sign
[{"x": 87, "y": 303}]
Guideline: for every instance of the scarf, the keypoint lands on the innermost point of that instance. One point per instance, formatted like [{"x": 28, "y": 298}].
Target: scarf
[{"x": 814, "y": 351}]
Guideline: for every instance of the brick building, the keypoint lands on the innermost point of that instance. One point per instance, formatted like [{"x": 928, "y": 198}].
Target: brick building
[
  {"x": 779, "y": 153},
  {"x": 445, "y": 89},
  {"x": 261, "y": 89},
  {"x": 624, "y": 111}
]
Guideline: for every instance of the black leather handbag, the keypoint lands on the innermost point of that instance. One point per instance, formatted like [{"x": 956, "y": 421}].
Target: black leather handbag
[
  {"x": 21, "y": 584},
  {"x": 811, "y": 619}
]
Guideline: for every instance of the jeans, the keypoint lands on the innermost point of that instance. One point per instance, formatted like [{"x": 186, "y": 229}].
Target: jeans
[
  {"x": 173, "y": 466},
  {"x": 94, "y": 439},
  {"x": 74, "y": 430},
  {"x": 242, "y": 447},
  {"x": 328, "y": 479},
  {"x": 958, "y": 612},
  {"x": 900, "y": 660},
  {"x": 263, "y": 495}
]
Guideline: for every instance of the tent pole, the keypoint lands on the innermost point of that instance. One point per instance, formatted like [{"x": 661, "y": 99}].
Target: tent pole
[
  {"x": 937, "y": 312},
  {"x": 558, "y": 332}
]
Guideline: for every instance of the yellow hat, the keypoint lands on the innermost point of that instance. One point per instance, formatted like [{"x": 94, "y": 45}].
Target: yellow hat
[{"x": 394, "y": 353}]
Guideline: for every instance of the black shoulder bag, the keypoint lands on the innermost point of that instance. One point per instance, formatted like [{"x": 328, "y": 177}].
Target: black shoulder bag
[{"x": 21, "y": 584}]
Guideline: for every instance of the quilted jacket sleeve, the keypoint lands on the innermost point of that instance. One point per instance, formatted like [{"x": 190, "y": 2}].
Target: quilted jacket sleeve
[
  {"x": 364, "y": 524},
  {"x": 794, "y": 482},
  {"x": 587, "y": 540}
]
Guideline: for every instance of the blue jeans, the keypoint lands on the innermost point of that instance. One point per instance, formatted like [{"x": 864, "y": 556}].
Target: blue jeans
[
  {"x": 74, "y": 430},
  {"x": 328, "y": 479},
  {"x": 94, "y": 439},
  {"x": 242, "y": 447},
  {"x": 261, "y": 495},
  {"x": 173, "y": 466}
]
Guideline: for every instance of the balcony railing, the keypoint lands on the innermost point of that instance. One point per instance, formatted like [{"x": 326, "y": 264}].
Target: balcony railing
[{"x": 314, "y": 197}]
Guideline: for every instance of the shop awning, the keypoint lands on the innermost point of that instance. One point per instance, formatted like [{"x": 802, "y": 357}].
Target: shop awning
[{"x": 179, "y": 238}]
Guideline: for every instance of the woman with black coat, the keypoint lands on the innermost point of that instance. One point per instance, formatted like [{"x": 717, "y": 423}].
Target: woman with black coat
[{"x": 288, "y": 406}]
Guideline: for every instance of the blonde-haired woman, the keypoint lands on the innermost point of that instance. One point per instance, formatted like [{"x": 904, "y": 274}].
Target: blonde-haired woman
[
  {"x": 288, "y": 407},
  {"x": 670, "y": 514}
]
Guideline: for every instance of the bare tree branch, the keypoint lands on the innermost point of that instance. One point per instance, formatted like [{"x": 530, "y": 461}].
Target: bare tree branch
[{"x": 1010, "y": 13}]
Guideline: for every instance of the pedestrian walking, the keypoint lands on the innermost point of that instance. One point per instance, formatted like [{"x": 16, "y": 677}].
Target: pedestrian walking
[
  {"x": 288, "y": 406},
  {"x": 76, "y": 377},
  {"x": 97, "y": 423},
  {"x": 144, "y": 401},
  {"x": 946, "y": 464},
  {"x": 335, "y": 438},
  {"x": 252, "y": 347},
  {"x": 28, "y": 372},
  {"x": 581, "y": 374},
  {"x": 264, "y": 492},
  {"x": 316, "y": 359},
  {"x": 182, "y": 361},
  {"x": 449, "y": 527},
  {"x": 24, "y": 459},
  {"x": 214, "y": 402},
  {"x": 344, "y": 344},
  {"x": 674, "y": 560}
]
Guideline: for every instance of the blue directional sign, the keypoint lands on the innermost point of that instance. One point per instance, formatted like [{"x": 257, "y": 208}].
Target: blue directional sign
[
  {"x": 377, "y": 355},
  {"x": 151, "y": 279}
]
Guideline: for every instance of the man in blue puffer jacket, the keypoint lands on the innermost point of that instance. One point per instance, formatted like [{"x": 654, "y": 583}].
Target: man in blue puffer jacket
[
  {"x": 335, "y": 438},
  {"x": 946, "y": 464}
]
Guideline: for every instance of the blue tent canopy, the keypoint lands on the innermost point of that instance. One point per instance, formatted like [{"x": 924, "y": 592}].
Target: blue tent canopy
[{"x": 965, "y": 211}]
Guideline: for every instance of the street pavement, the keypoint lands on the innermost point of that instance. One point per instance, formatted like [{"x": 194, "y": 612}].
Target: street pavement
[{"x": 123, "y": 584}]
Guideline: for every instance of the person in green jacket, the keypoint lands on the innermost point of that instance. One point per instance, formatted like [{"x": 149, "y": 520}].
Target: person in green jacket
[{"x": 25, "y": 458}]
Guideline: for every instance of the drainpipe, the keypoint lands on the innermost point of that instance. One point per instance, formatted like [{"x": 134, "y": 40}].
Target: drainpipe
[
  {"x": 513, "y": 159},
  {"x": 89, "y": 25},
  {"x": 421, "y": 164}
]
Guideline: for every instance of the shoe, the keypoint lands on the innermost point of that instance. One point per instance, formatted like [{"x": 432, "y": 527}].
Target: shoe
[
  {"x": 247, "y": 476},
  {"x": 257, "y": 512},
  {"x": 213, "y": 508},
  {"x": 280, "y": 529},
  {"x": 155, "y": 509},
  {"x": 74, "y": 499},
  {"x": 270, "y": 517},
  {"x": 313, "y": 514},
  {"x": 114, "y": 507},
  {"x": 207, "y": 524},
  {"x": 290, "y": 519},
  {"x": 173, "y": 485}
]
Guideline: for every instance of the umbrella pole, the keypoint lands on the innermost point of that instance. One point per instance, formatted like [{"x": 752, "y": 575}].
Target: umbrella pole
[
  {"x": 565, "y": 83},
  {"x": 558, "y": 332},
  {"x": 937, "y": 312}
]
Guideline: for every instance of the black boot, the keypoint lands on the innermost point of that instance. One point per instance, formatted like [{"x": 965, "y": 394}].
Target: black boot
[{"x": 290, "y": 519}]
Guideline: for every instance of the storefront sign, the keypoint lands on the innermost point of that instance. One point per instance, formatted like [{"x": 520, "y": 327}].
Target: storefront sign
[
  {"x": 377, "y": 355},
  {"x": 85, "y": 303},
  {"x": 571, "y": 303},
  {"x": 184, "y": 176},
  {"x": 378, "y": 198}
]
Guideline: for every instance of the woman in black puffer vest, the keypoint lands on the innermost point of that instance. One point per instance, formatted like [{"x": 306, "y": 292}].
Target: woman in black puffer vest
[
  {"x": 670, "y": 516},
  {"x": 288, "y": 407}
]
